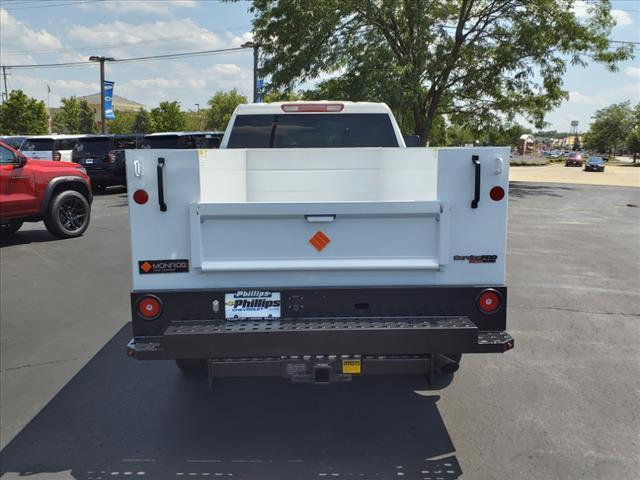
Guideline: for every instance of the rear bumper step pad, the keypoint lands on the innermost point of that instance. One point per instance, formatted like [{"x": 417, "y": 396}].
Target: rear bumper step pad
[{"x": 222, "y": 339}]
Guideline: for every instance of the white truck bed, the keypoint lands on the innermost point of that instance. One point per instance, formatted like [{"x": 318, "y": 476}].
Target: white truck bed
[{"x": 386, "y": 216}]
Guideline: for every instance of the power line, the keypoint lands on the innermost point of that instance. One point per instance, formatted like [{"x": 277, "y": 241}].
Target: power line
[
  {"x": 133, "y": 59},
  {"x": 47, "y": 5}
]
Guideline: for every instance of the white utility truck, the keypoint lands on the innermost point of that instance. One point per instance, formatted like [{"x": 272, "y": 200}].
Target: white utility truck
[{"x": 313, "y": 244}]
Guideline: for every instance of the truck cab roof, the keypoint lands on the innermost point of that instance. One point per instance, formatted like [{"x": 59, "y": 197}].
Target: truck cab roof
[
  {"x": 312, "y": 124},
  {"x": 323, "y": 106}
]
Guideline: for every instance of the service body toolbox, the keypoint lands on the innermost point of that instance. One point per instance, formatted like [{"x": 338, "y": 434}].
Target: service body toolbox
[{"x": 315, "y": 245}]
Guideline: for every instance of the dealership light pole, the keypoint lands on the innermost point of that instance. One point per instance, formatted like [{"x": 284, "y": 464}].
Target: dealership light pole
[
  {"x": 255, "y": 47},
  {"x": 95, "y": 58}
]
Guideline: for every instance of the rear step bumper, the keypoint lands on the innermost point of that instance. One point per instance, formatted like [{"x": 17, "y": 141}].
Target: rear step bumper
[{"x": 284, "y": 338}]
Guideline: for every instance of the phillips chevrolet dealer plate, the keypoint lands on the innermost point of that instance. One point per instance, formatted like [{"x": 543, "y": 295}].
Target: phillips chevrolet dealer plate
[{"x": 252, "y": 304}]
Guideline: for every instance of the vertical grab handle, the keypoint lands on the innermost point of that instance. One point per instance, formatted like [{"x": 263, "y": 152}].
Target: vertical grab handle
[
  {"x": 475, "y": 159},
  {"x": 160, "y": 170}
]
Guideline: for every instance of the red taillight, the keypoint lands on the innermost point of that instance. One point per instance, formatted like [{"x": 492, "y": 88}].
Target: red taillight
[
  {"x": 312, "y": 107},
  {"x": 489, "y": 301},
  {"x": 140, "y": 197},
  {"x": 111, "y": 157},
  {"x": 496, "y": 193},
  {"x": 56, "y": 156},
  {"x": 149, "y": 307}
]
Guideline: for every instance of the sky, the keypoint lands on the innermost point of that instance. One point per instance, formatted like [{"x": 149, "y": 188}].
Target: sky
[{"x": 55, "y": 31}]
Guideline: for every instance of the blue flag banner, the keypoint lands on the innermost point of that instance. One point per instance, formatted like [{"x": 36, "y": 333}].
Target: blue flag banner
[
  {"x": 260, "y": 85},
  {"x": 107, "y": 101}
]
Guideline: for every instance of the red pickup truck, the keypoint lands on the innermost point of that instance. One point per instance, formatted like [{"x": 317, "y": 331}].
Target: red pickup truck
[{"x": 32, "y": 190}]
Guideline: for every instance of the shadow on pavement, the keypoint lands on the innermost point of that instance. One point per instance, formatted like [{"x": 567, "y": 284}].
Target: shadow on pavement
[
  {"x": 118, "y": 418},
  {"x": 525, "y": 189},
  {"x": 26, "y": 237}
]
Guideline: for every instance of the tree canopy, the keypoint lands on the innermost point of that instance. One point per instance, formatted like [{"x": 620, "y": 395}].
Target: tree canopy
[
  {"x": 22, "y": 115},
  {"x": 221, "y": 106},
  {"x": 167, "y": 117},
  {"x": 476, "y": 62},
  {"x": 610, "y": 127},
  {"x": 74, "y": 116},
  {"x": 142, "y": 122},
  {"x": 123, "y": 123}
]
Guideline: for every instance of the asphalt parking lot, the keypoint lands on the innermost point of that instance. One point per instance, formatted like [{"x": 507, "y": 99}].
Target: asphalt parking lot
[{"x": 562, "y": 405}]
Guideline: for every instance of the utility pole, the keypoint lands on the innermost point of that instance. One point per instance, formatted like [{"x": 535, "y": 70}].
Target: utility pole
[
  {"x": 255, "y": 47},
  {"x": 4, "y": 75},
  {"x": 48, "y": 108},
  {"x": 95, "y": 58}
]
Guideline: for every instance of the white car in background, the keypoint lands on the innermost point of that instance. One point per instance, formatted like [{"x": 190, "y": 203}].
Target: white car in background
[{"x": 50, "y": 147}]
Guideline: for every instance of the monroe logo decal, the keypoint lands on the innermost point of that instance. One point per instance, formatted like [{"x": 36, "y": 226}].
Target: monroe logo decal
[
  {"x": 476, "y": 258},
  {"x": 163, "y": 266}
]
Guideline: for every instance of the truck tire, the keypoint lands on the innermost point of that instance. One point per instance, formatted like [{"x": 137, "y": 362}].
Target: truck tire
[
  {"x": 192, "y": 365},
  {"x": 68, "y": 215},
  {"x": 10, "y": 227}
]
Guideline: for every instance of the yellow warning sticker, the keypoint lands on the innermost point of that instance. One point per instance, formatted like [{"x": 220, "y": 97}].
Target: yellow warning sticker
[{"x": 351, "y": 366}]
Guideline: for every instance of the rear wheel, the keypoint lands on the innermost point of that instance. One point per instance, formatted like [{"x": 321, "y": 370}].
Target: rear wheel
[
  {"x": 68, "y": 215},
  {"x": 192, "y": 365},
  {"x": 10, "y": 227}
]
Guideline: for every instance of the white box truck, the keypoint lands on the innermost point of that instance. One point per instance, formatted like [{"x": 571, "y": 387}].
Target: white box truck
[{"x": 313, "y": 244}]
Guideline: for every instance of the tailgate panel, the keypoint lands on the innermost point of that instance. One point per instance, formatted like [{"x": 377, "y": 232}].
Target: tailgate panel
[{"x": 270, "y": 236}]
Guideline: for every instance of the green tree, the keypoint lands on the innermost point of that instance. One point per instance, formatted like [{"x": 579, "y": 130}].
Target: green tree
[
  {"x": 283, "y": 96},
  {"x": 221, "y": 106},
  {"x": 74, "y": 116},
  {"x": 633, "y": 143},
  {"x": 167, "y": 117},
  {"x": 22, "y": 115},
  {"x": 458, "y": 136},
  {"x": 142, "y": 122},
  {"x": 195, "y": 121},
  {"x": 468, "y": 60},
  {"x": 123, "y": 123},
  {"x": 610, "y": 127}
]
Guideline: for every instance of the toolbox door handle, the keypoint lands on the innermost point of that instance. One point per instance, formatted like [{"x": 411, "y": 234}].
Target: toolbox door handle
[
  {"x": 160, "y": 170},
  {"x": 137, "y": 168},
  {"x": 320, "y": 218},
  {"x": 475, "y": 159}
]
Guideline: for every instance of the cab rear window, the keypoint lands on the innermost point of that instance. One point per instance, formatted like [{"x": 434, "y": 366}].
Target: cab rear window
[
  {"x": 38, "y": 145},
  {"x": 93, "y": 145},
  {"x": 66, "y": 143},
  {"x": 313, "y": 131}
]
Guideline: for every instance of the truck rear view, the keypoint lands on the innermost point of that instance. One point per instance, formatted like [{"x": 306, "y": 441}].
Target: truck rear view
[{"x": 314, "y": 245}]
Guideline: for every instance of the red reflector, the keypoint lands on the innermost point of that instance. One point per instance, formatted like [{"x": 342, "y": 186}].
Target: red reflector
[
  {"x": 149, "y": 307},
  {"x": 497, "y": 193},
  {"x": 489, "y": 301},
  {"x": 312, "y": 107},
  {"x": 141, "y": 197}
]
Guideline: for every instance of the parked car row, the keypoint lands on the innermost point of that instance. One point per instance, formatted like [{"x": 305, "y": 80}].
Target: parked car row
[
  {"x": 103, "y": 155},
  {"x": 50, "y": 178},
  {"x": 593, "y": 163}
]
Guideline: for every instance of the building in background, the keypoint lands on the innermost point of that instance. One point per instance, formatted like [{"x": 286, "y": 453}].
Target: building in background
[
  {"x": 120, "y": 104},
  {"x": 526, "y": 144}
]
